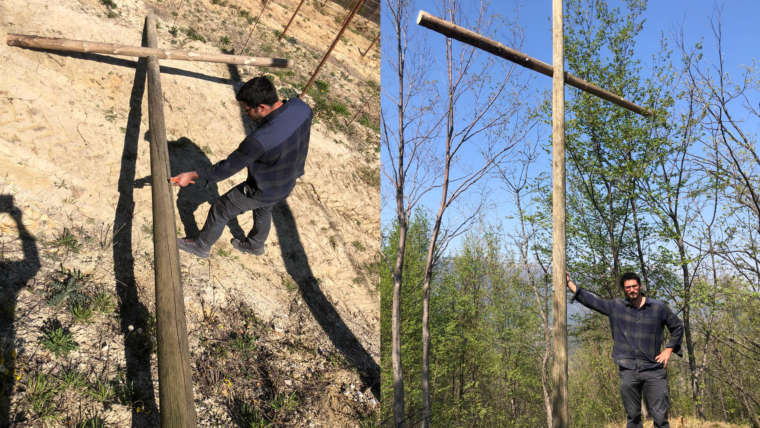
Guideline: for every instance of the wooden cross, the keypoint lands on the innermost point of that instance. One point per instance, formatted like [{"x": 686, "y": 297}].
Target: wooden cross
[
  {"x": 174, "y": 366},
  {"x": 560, "y": 77}
]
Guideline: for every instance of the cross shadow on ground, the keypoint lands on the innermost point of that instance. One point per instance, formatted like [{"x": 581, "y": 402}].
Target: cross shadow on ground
[
  {"x": 134, "y": 316},
  {"x": 14, "y": 275}
]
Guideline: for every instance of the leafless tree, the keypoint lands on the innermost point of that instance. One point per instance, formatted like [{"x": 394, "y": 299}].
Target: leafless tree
[
  {"x": 493, "y": 124},
  {"x": 405, "y": 140}
]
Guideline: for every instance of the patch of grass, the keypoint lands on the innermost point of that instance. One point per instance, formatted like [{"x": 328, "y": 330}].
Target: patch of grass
[
  {"x": 321, "y": 86},
  {"x": 111, "y": 115},
  {"x": 339, "y": 108},
  {"x": 358, "y": 245},
  {"x": 365, "y": 121},
  {"x": 194, "y": 35},
  {"x": 72, "y": 378},
  {"x": 173, "y": 31},
  {"x": 92, "y": 422},
  {"x": 289, "y": 284},
  {"x": 242, "y": 342},
  {"x": 224, "y": 252},
  {"x": 246, "y": 414},
  {"x": 368, "y": 175},
  {"x": 57, "y": 339},
  {"x": 224, "y": 40},
  {"x": 66, "y": 240},
  {"x": 103, "y": 302},
  {"x": 108, "y": 3},
  {"x": 63, "y": 284},
  {"x": 101, "y": 391},
  {"x": 81, "y": 307},
  {"x": 41, "y": 394},
  {"x": 284, "y": 403}
]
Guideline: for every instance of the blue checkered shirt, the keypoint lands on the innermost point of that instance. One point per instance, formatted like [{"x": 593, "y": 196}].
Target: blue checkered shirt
[
  {"x": 636, "y": 332},
  {"x": 275, "y": 153}
]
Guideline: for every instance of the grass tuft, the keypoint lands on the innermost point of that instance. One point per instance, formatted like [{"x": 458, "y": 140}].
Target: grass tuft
[
  {"x": 57, "y": 339},
  {"x": 67, "y": 241}
]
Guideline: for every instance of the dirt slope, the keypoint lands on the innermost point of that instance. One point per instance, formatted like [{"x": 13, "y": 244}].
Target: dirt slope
[{"x": 288, "y": 338}]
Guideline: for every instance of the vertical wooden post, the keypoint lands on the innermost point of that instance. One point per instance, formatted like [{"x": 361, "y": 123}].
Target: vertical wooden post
[
  {"x": 559, "y": 314},
  {"x": 291, "y": 20},
  {"x": 335, "y": 42},
  {"x": 175, "y": 380}
]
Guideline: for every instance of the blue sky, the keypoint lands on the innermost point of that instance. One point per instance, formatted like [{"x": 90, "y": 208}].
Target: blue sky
[{"x": 741, "y": 33}]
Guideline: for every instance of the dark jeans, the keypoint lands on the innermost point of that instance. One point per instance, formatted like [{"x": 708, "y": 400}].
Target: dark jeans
[
  {"x": 653, "y": 383},
  {"x": 236, "y": 201}
]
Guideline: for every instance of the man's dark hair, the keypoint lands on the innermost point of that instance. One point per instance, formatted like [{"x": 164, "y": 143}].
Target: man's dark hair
[
  {"x": 628, "y": 276},
  {"x": 258, "y": 90}
]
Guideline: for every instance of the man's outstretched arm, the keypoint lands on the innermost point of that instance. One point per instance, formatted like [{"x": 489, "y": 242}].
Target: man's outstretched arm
[{"x": 588, "y": 299}]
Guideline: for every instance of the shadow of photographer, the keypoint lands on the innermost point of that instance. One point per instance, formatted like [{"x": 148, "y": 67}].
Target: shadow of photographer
[{"x": 14, "y": 275}]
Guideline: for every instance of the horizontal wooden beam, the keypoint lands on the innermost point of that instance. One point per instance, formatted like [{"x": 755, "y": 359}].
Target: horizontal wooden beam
[
  {"x": 83, "y": 46},
  {"x": 474, "y": 39}
]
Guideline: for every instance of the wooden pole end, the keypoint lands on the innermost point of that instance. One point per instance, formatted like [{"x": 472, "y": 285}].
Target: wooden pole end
[{"x": 421, "y": 16}]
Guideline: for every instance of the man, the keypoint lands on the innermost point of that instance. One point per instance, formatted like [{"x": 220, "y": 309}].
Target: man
[
  {"x": 637, "y": 327},
  {"x": 274, "y": 153}
]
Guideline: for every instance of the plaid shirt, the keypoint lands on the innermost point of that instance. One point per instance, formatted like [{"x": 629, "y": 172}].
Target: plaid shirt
[
  {"x": 275, "y": 153},
  {"x": 636, "y": 332}
]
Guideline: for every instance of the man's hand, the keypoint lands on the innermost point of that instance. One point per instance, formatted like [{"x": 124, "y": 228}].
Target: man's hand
[
  {"x": 664, "y": 356},
  {"x": 570, "y": 284},
  {"x": 185, "y": 178}
]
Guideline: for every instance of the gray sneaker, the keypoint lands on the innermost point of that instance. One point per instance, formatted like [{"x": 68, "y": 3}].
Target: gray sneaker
[
  {"x": 246, "y": 247},
  {"x": 193, "y": 247}
]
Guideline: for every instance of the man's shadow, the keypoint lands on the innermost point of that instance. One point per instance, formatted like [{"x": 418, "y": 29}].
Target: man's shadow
[
  {"x": 14, "y": 275},
  {"x": 185, "y": 155},
  {"x": 297, "y": 265}
]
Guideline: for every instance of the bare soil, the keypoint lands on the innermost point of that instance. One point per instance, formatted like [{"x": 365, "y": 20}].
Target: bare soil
[{"x": 288, "y": 338}]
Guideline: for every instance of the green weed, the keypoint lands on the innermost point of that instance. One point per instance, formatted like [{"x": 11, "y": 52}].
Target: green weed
[
  {"x": 66, "y": 240},
  {"x": 101, "y": 391},
  {"x": 41, "y": 393},
  {"x": 370, "y": 176},
  {"x": 64, "y": 283},
  {"x": 194, "y": 35},
  {"x": 81, "y": 306},
  {"x": 57, "y": 339},
  {"x": 224, "y": 252},
  {"x": 73, "y": 378},
  {"x": 103, "y": 302},
  {"x": 92, "y": 422},
  {"x": 108, "y": 3}
]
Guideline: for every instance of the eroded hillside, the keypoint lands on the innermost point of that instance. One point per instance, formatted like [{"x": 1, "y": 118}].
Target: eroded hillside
[{"x": 287, "y": 338}]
